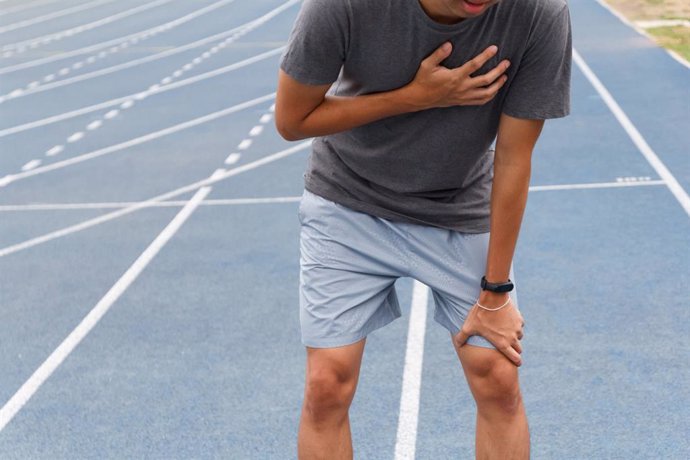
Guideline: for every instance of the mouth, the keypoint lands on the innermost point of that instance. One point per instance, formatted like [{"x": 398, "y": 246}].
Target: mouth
[{"x": 472, "y": 7}]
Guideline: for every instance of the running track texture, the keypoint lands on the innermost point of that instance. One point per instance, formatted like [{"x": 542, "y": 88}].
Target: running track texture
[{"x": 149, "y": 250}]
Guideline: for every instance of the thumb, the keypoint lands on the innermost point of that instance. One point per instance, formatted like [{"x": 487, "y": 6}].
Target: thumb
[
  {"x": 440, "y": 54},
  {"x": 460, "y": 338}
]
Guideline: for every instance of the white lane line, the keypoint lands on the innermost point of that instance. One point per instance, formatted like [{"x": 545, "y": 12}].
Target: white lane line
[
  {"x": 406, "y": 439},
  {"x": 127, "y": 104},
  {"x": 55, "y": 150},
  {"x": 542, "y": 188},
  {"x": 112, "y": 102},
  {"x": 245, "y": 144},
  {"x": 145, "y": 138},
  {"x": 232, "y": 158},
  {"x": 165, "y": 196},
  {"x": 644, "y": 148},
  {"x": 284, "y": 199},
  {"x": 256, "y": 130},
  {"x": 112, "y": 114},
  {"x": 266, "y": 118},
  {"x": 233, "y": 34},
  {"x": 31, "y": 165},
  {"x": 57, "y": 357},
  {"x": 75, "y": 137},
  {"x": 24, "y": 6},
  {"x": 127, "y": 204},
  {"x": 92, "y": 25},
  {"x": 53, "y": 15}
]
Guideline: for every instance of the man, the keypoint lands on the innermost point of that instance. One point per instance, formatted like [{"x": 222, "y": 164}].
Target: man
[{"x": 404, "y": 99}]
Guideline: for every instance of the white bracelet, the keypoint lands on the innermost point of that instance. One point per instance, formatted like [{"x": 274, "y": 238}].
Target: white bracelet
[{"x": 493, "y": 309}]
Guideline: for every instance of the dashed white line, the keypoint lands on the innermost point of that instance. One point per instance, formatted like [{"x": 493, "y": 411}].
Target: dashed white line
[
  {"x": 55, "y": 150},
  {"x": 94, "y": 125},
  {"x": 31, "y": 165},
  {"x": 127, "y": 104},
  {"x": 232, "y": 158},
  {"x": 112, "y": 114},
  {"x": 218, "y": 173},
  {"x": 245, "y": 144},
  {"x": 141, "y": 95},
  {"x": 46, "y": 369},
  {"x": 166, "y": 196},
  {"x": 256, "y": 130},
  {"x": 75, "y": 137},
  {"x": 232, "y": 34},
  {"x": 145, "y": 138},
  {"x": 266, "y": 118}
]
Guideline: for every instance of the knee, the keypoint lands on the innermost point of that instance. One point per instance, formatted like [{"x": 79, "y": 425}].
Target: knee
[
  {"x": 495, "y": 386},
  {"x": 328, "y": 394}
]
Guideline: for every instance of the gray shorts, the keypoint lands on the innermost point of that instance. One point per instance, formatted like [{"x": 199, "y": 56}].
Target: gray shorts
[{"x": 349, "y": 262}]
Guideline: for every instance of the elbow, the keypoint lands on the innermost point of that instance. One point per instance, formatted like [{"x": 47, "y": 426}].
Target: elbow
[{"x": 288, "y": 131}]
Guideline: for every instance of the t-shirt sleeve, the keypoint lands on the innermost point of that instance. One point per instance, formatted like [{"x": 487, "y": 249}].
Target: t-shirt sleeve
[
  {"x": 541, "y": 86},
  {"x": 318, "y": 43}
]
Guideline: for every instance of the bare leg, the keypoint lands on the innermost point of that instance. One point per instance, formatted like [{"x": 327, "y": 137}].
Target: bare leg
[
  {"x": 502, "y": 431},
  {"x": 330, "y": 384}
]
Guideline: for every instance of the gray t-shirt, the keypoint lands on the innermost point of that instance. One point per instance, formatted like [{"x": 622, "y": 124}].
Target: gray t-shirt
[{"x": 432, "y": 167}]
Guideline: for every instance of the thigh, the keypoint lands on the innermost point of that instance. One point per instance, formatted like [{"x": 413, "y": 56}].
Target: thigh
[
  {"x": 457, "y": 262},
  {"x": 346, "y": 275}
]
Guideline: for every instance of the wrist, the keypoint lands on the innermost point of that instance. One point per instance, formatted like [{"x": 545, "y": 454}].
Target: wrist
[
  {"x": 411, "y": 98},
  {"x": 492, "y": 299}
]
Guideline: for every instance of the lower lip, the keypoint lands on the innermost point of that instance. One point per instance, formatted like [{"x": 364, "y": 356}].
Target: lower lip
[{"x": 473, "y": 7}]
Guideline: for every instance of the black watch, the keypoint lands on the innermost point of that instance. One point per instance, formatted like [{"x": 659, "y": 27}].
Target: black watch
[{"x": 497, "y": 287}]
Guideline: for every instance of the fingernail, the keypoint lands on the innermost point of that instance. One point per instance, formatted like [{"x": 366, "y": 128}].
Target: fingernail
[
  {"x": 507, "y": 64},
  {"x": 447, "y": 46},
  {"x": 493, "y": 48}
]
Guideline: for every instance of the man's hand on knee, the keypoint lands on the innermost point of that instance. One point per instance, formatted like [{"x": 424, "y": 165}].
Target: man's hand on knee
[{"x": 502, "y": 327}]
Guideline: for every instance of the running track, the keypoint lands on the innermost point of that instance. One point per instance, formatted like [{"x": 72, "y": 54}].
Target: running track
[{"x": 149, "y": 250}]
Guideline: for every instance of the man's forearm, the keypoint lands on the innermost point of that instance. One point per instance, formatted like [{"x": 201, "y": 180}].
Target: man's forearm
[
  {"x": 508, "y": 200},
  {"x": 336, "y": 113}
]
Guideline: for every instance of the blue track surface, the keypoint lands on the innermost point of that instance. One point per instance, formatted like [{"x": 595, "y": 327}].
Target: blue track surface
[{"x": 200, "y": 357}]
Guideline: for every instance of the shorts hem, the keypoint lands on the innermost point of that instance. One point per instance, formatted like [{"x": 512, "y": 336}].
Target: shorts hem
[
  {"x": 346, "y": 339},
  {"x": 476, "y": 340}
]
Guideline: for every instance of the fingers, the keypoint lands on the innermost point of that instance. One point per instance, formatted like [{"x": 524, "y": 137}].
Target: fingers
[
  {"x": 442, "y": 52},
  {"x": 492, "y": 75},
  {"x": 478, "y": 61},
  {"x": 512, "y": 355},
  {"x": 460, "y": 338},
  {"x": 483, "y": 95}
]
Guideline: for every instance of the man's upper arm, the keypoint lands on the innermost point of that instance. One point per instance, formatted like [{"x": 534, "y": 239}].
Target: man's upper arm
[
  {"x": 294, "y": 102},
  {"x": 516, "y": 139},
  {"x": 540, "y": 87}
]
